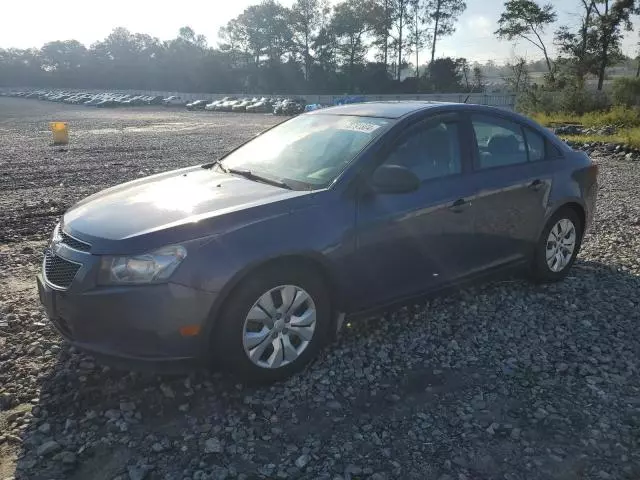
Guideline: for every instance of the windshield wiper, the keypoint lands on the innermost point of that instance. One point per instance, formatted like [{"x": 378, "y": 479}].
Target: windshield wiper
[
  {"x": 214, "y": 163},
  {"x": 254, "y": 176}
]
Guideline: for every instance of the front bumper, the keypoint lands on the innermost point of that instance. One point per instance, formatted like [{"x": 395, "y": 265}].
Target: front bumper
[{"x": 131, "y": 326}]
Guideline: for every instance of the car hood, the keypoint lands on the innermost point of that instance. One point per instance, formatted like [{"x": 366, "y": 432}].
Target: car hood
[{"x": 195, "y": 201}]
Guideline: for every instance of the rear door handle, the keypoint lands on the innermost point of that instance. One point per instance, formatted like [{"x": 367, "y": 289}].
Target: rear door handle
[
  {"x": 536, "y": 185},
  {"x": 459, "y": 205}
]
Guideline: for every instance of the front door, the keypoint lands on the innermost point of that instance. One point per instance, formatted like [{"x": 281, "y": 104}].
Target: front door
[{"x": 411, "y": 242}]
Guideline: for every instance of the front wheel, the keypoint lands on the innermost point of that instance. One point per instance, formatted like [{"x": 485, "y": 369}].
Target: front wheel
[
  {"x": 273, "y": 324},
  {"x": 557, "y": 247}
]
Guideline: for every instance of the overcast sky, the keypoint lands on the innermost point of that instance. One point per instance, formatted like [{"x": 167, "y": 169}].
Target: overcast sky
[{"x": 31, "y": 23}]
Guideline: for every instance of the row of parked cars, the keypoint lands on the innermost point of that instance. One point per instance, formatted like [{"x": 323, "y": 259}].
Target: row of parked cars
[
  {"x": 275, "y": 105},
  {"x": 105, "y": 99},
  {"x": 278, "y": 106}
]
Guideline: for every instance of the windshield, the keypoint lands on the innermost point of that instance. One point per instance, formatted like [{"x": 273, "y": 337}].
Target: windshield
[{"x": 310, "y": 149}]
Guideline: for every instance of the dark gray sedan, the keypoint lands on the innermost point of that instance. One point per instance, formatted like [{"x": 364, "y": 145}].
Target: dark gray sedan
[{"x": 254, "y": 260}]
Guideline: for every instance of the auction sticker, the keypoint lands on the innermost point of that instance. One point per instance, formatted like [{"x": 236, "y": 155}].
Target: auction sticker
[{"x": 363, "y": 127}]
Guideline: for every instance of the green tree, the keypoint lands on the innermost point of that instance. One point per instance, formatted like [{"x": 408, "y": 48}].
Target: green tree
[
  {"x": 306, "y": 17},
  {"x": 188, "y": 35},
  {"x": 444, "y": 75},
  {"x": 517, "y": 78},
  {"x": 443, "y": 14},
  {"x": 21, "y": 67},
  {"x": 612, "y": 17},
  {"x": 381, "y": 29},
  {"x": 478, "y": 79},
  {"x": 352, "y": 20},
  {"x": 184, "y": 59},
  {"x": 262, "y": 36},
  {"x": 262, "y": 30},
  {"x": 324, "y": 76},
  {"x": 465, "y": 72},
  {"x": 527, "y": 20},
  {"x": 418, "y": 37},
  {"x": 578, "y": 47},
  {"x": 65, "y": 61},
  {"x": 401, "y": 22},
  {"x": 125, "y": 58}
]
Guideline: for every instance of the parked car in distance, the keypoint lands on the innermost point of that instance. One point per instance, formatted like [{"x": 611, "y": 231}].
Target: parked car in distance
[
  {"x": 210, "y": 107},
  {"x": 253, "y": 260},
  {"x": 216, "y": 105},
  {"x": 173, "y": 101},
  {"x": 95, "y": 100},
  {"x": 197, "y": 105},
  {"x": 290, "y": 106},
  {"x": 242, "y": 105},
  {"x": 262, "y": 106},
  {"x": 227, "y": 106}
]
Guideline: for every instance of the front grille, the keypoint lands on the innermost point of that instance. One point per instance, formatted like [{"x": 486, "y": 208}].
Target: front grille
[
  {"x": 58, "y": 271},
  {"x": 74, "y": 243}
]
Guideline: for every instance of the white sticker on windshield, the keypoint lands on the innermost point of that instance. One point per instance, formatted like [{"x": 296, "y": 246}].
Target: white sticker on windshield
[{"x": 363, "y": 127}]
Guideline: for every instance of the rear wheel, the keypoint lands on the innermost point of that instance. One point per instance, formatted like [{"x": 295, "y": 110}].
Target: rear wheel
[
  {"x": 273, "y": 324},
  {"x": 557, "y": 247}
]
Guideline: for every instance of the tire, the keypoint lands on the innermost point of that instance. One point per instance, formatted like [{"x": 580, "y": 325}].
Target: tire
[
  {"x": 541, "y": 270},
  {"x": 230, "y": 342}
]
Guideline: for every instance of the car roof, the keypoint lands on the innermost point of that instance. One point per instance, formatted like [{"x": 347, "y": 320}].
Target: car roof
[
  {"x": 403, "y": 108},
  {"x": 387, "y": 109}
]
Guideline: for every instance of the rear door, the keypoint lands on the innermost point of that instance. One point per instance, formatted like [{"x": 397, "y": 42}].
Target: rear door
[{"x": 512, "y": 178}]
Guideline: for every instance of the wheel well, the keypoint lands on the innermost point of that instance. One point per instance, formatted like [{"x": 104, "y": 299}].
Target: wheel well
[
  {"x": 579, "y": 211},
  {"x": 303, "y": 261}
]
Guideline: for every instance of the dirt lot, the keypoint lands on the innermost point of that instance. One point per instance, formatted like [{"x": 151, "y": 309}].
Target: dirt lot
[{"x": 502, "y": 381}]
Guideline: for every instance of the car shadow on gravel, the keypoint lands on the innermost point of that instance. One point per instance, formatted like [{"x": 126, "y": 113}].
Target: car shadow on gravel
[{"x": 485, "y": 382}]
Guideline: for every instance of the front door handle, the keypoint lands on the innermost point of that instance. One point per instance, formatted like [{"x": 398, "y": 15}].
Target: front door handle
[
  {"x": 459, "y": 205},
  {"x": 536, "y": 185}
]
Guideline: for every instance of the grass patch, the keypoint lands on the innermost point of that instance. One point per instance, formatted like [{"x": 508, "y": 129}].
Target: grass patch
[
  {"x": 629, "y": 136},
  {"x": 627, "y": 119},
  {"x": 619, "y": 116}
]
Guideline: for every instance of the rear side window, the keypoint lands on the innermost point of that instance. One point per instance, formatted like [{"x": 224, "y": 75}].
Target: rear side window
[
  {"x": 500, "y": 142},
  {"x": 535, "y": 145}
]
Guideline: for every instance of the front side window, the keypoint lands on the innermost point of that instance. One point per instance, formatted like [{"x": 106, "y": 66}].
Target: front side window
[
  {"x": 500, "y": 142},
  {"x": 310, "y": 149},
  {"x": 432, "y": 151}
]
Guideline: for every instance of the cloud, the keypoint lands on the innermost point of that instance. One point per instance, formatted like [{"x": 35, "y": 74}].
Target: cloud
[{"x": 480, "y": 26}]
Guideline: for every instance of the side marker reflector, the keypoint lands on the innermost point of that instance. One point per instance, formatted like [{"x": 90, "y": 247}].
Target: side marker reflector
[{"x": 190, "y": 330}]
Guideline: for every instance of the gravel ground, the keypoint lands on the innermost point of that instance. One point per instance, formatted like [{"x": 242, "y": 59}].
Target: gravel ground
[{"x": 502, "y": 381}]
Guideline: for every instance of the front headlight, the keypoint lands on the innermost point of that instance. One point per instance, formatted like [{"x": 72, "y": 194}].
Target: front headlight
[{"x": 154, "y": 267}]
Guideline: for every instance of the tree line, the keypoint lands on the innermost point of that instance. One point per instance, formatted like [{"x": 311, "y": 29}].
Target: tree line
[
  {"x": 588, "y": 50},
  {"x": 355, "y": 46}
]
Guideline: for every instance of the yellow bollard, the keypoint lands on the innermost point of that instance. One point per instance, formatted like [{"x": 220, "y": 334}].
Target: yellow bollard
[{"x": 60, "y": 133}]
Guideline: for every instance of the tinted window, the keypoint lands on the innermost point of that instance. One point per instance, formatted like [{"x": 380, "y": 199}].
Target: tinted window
[
  {"x": 430, "y": 152},
  {"x": 535, "y": 145},
  {"x": 500, "y": 142}
]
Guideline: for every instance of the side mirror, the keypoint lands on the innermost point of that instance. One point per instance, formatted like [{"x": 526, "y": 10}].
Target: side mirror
[{"x": 394, "y": 179}]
